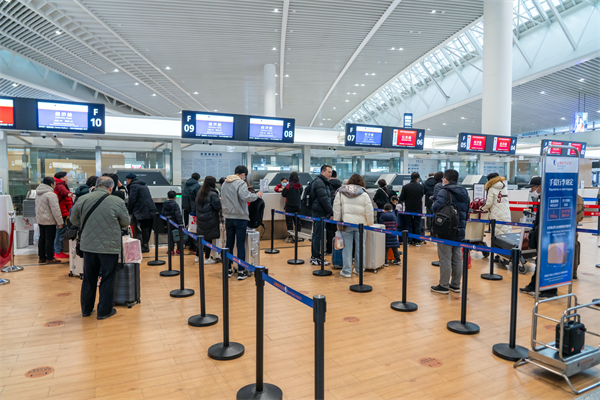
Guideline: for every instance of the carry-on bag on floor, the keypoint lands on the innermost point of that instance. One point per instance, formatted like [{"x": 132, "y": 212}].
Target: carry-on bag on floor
[
  {"x": 375, "y": 252},
  {"x": 75, "y": 262},
  {"x": 252, "y": 247},
  {"x": 127, "y": 284},
  {"x": 220, "y": 243},
  {"x": 336, "y": 259}
]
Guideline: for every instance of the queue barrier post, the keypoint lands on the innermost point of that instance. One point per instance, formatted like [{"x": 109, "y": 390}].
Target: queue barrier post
[
  {"x": 511, "y": 351},
  {"x": 202, "y": 319},
  {"x": 598, "y": 234},
  {"x": 295, "y": 261},
  {"x": 463, "y": 327},
  {"x": 260, "y": 390},
  {"x": 361, "y": 288},
  {"x": 272, "y": 250},
  {"x": 492, "y": 276},
  {"x": 319, "y": 310},
  {"x": 156, "y": 261},
  {"x": 404, "y": 306},
  {"x": 322, "y": 271},
  {"x": 11, "y": 248},
  {"x": 182, "y": 291},
  {"x": 170, "y": 271},
  {"x": 226, "y": 350}
]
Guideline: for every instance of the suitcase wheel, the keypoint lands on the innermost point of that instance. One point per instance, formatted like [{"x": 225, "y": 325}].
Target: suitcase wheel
[
  {"x": 374, "y": 271},
  {"x": 70, "y": 274},
  {"x": 522, "y": 269}
]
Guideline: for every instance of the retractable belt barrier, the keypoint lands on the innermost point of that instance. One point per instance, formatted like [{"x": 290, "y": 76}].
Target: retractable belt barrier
[
  {"x": 341, "y": 223},
  {"x": 406, "y": 213},
  {"x": 289, "y": 291},
  {"x": 287, "y": 214},
  {"x": 240, "y": 263},
  {"x": 163, "y": 218}
]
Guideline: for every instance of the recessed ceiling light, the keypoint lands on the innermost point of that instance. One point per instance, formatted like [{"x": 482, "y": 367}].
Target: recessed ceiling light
[
  {"x": 393, "y": 48},
  {"x": 542, "y": 92},
  {"x": 215, "y": 110},
  {"x": 334, "y": 109},
  {"x": 287, "y": 76},
  {"x": 356, "y": 84},
  {"x": 362, "y": 84},
  {"x": 275, "y": 10},
  {"x": 428, "y": 129},
  {"x": 153, "y": 94},
  {"x": 58, "y": 32},
  {"x": 348, "y": 93},
  {"x": 347, "y": 101},
  {"x": 563, "y": 118},
  {"x": 373, "y": 74},
  {"x": 115, "y": 70},
  {"x": 168, "y": 67},
  {"x": 15, "y": 84},
  {"x": 276, "y": 94},
  {"x": 444, "y": 123},
  {"x": 179, "y": 112},
  {"x": 274, "y": 48},
  {"x": 366, "y": 73},
  {"x": 400, "y": 48},
  {"x": 581, "y": 80},
  {"x": 195, "y": 92},
  {"x": 320, "y": 123},
  {"x": 354, "y": 93},
  {"x": 598, "y": 111},
  {"x": 136, "y": 84},
  {"x": 462, "y": 118},
  {"x": 433, "y": 11}
]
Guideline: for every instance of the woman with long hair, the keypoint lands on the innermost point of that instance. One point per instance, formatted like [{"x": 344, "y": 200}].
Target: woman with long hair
[
  {"x": 292, "y": 193},
  {"x": 208, "y": 209}
]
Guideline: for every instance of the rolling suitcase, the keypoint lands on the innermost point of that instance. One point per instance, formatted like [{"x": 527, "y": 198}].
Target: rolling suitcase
[
  {"x": 127, "y": 283},
  {"x": 220, "y": 243},
  {"x": 75, "y": 262},
  {"x": 252, "y": 247},
  {"x": 375, "y": 253}
]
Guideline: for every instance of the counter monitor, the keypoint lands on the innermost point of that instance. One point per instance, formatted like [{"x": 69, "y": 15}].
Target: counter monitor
[{"x": 70, "y": 117}]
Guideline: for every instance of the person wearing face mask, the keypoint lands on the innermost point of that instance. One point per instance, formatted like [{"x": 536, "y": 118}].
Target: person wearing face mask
[
  {"x": 281, "y": 185},
  {"x": 535, "y": 187}
]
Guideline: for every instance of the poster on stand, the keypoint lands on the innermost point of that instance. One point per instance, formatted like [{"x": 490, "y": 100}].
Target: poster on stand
[{"x": 557, "y": 222}]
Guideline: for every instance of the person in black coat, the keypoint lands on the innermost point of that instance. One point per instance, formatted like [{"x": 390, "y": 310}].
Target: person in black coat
[
  {"x": 293, "y": 194},
  {"x": 170, "y": 209},
  {"x": 382, "y": 195},
  {"x": 412, "y": 197},
  {"x": 142, "y": 207},
  {"x": 208, "y": 209},
  {"x": 334, "y": 184},
  {"x": 322, "y": 207},
  {"x": 391, "y": 241},
  {"x": 428, "y": 186},
  {"x": 118, "y": 188}
]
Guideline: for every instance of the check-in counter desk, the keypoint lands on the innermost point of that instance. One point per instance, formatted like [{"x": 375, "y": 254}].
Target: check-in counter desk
[{"x": 274, "y": 201}]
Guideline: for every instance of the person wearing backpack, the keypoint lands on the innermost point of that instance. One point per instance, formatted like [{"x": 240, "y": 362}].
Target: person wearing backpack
[
  {"x": 292, "y": 193},
  {"x": 170, "y": 209},
  {"x": 451, "y": 204},
  {"x": 208, "y": 209},
  {"x": 321, "y": 207}
]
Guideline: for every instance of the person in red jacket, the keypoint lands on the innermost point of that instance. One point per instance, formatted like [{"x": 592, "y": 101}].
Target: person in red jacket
[
  {"x": 65, "y": 200},
  {"x": 281, "y": 185}
]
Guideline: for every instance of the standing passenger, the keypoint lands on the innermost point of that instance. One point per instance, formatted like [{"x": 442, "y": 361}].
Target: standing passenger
[
  {"x": 208, "y": 210},
  {"x": 48, "y": 217},
  {"x": 65, "y": 199},
  {"x": 497, "y": 202},
  {"x": 292, "y": 193},
  {"x": 188, "y": 201},
  {"x": 412, "y": 197},
  {"x": 142, "y": 207},
  {"x": 321, "y": 207}
]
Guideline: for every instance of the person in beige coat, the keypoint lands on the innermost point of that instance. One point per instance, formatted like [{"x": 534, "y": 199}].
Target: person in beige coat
[
  {"x": 353, "y": 205},
  {"x": 497, "y": 202},
  {"x": 48, "y": 217}
]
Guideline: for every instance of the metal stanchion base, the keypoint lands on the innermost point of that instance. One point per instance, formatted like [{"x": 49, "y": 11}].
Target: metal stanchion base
[
  {"x": 272, "y": 251},
  {"x": 491, "y": 277},
  {"x": 11, "y": 268},
  {"x": 220, "y": 352},
  {"x": 435, "y": 263},
  {"x": 404, "y": 307},
  {"x": 468, "y": 328},
  {"x": 505, "y": 352},
  {"x": 269, "y": 392},
  {"x": 4, "y": 281},
  {"x": 361, "y": 288},
  {"x": 203, "y": 320},
  {"x": 157, "y": 262},
  {"x": 169, "y": 273},
  {"x": 295, "y": 262},
  {"x": 322, "y": 272},
  {"x": 178, "y": 293}
]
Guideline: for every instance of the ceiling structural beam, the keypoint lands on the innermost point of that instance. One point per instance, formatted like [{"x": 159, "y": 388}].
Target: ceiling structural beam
[
  {"x": 410, "y": 72},
  {"x": 401, "y": 98},
  {"x": 434, "y": 81},
  {"x": 542, "y": 12},
  {"x": 474, "y": 42},
  {"x": 456, "y": 70},
  {"x": 284, "y": 20},
  {"x": 522, "y": 51},
  {"x": 366, "y": 40},
  {"x": 562, "y": 24}
]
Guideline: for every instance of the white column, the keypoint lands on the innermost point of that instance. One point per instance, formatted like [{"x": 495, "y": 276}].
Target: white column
[
  {"x": 269, "y": 90},
  {"x": 98, "y": 161},
  {"x": 362, "y": 166},
  {"x": 480, "y": 161},
  {"x": 176, "y": 162},
  {"x": 405, "y": 162},
  {"x": 248, "y": 164},
  {"x": 4, "y": 161},
  {"x": 497, "y": 67},
  {"x": 305, "y": 159}
]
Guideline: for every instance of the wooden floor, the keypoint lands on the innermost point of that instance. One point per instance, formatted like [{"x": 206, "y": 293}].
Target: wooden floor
[{"x": 371, "y": 351}]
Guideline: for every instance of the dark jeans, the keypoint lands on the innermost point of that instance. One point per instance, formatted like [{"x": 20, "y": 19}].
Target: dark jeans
[
  {"x": 92, "y": 263},
  {"x": 395, "y": 251},
  {"x": 46, "y": 242},
  {"x": 412, "y": 223},
  {"x": 289, "y": 221},
  {"x": 429, "y": 219},
  {"x": 146, "y": 226},
  {"x": 207, "y": 250},
  {"x": 317, "y": 236},
  {"x": 236, "y": 234},
  {"x": 60, "y": 237},
  {"x": 330, "y": 230}
]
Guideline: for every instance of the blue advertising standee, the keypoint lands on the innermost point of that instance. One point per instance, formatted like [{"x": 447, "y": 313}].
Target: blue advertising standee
[{"x": 558, "y": 223}]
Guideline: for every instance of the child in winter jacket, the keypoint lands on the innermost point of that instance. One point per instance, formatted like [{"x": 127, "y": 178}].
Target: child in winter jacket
[
  {"x": 391, "y": 241},
  {"x": 170, "y": 209}
]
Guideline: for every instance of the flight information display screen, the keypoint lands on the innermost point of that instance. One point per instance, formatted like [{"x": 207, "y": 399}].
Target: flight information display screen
[
  {"x": 408, "y": 138},
  {"x": 563, "y": 152},
  {"x": 470, "y": 142},
  {"x": 207, "y": 126},
  {"x": 504, "y": 144},
  {"x": 66, "y": 117},
  {"x": 7, "y": 113},
  {"x": 473, "y": 143},
  {"x": 271, "y": 129},
  {"x": 362, "y": 135}
]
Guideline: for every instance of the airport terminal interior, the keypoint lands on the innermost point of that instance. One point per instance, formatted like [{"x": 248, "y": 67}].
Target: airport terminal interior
[{"x": 335, "y": 199}]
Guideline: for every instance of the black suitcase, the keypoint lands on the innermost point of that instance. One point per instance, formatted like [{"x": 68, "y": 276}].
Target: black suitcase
[
  {"x": 507, "y": 241},
  {"x": 127, "y": 283},
  {"x": 573, "y": 337}
]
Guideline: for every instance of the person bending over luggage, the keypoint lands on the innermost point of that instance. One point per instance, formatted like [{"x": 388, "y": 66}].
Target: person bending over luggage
[
  {"x": 391, "y": 241},
  {"x": 451, "y": 256},
  {"x": 48, "y": 217},
  {"x": 208, "y": 209},
  {"x": 142, "y": 207},
  {"x": 293, "y": 194},
  {"x": 170, "y": 209},
  {"x": 497, "y": 202},
  {"x": 101, "y": 243},
  {"x": 353, "y": 205},
  {"x": 235, "y": 197},
  {"x": 535, "y": 186},
  {"x": 412, "y": 197}
]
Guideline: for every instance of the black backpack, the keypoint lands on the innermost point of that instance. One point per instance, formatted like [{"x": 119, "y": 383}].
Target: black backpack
[
  {"x": 445, "y": 220},
  {"x": 256, "y": 210},
  {"x": 307, "y": 199}
]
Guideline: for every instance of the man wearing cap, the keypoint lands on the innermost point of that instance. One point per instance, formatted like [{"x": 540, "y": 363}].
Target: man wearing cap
[
  {"x": 142, "y": 207},
  {"x": 535, "y": 187}
]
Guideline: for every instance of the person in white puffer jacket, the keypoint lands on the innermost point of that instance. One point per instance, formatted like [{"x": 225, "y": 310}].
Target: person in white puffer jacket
[
  {"x": 353, "y": 205},
  {"x": 497, "y": 202}
]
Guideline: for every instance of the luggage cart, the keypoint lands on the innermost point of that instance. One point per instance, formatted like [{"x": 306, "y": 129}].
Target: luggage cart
[
  {"x": 510, "y": 241},
  {"x": 474, "y": 231},
  {"x": 550, "y": 357}
]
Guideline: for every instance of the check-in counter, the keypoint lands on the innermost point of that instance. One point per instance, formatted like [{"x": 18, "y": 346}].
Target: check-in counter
[{"x": 274, "y": 201}]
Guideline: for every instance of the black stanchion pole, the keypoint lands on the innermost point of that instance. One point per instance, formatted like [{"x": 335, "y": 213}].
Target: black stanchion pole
[
  {"x": 226, "y": 350},
  {"x": 156, "y": 261},
  {"x": 170, "y": 271},
  {"x": 360, "y": 288},
  {"x": 492, "y": 276},
  {"x": 403, "y": 305},
  {"x": 510, "y": 351},
  {"x": 295, "y": 261},
  {"x": 260, "y": 390},
  {"x": 202, "y": 319},
  {"x": 463, "y": 327},
  {"x": 182, "y": 291},
  {"x": 272, "y": 250},
  {"x": 322, "y": 271},
  {"x": 319, "y": 310},
  {"x": 598, "y": 228}
]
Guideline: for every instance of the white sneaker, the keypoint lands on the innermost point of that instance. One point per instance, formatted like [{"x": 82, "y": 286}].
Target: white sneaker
[
  {"x": 345, "y": 275},
  {"x": 209, "y": 261},
  {"x": 196, "y": 259},
  {"x": 356, "y": 272}
]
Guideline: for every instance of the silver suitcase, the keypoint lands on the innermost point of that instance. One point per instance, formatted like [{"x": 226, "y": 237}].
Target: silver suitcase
[
  {"x": 252, "y": 247},
  {"x": 375, "y": 251},
  {"x": 220, "y": 243},
  {"x": 75, "y": 262}
]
